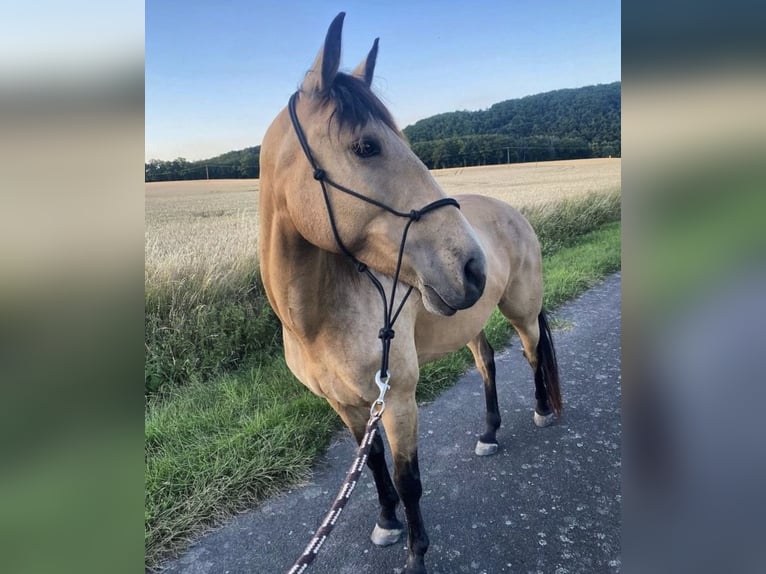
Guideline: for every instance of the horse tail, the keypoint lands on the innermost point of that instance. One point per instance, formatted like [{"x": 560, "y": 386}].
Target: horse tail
[{"x": 547, "y": 365}]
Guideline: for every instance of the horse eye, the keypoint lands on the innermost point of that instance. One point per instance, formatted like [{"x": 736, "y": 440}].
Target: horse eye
[{"x": 365, "y": 148}]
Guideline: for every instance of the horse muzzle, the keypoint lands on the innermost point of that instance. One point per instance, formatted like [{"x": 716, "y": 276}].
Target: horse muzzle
[{"x": 447, "y": 299}]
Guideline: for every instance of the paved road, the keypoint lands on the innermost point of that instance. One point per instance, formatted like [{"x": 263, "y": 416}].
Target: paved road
[{"x": 548, "y": 501}]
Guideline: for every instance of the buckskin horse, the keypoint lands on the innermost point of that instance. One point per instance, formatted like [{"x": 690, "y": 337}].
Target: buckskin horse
[{"x": 344, "y": 199}]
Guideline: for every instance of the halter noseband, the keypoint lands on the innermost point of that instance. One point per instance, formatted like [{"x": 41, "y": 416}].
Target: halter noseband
[{"x": 386, "y": 333}]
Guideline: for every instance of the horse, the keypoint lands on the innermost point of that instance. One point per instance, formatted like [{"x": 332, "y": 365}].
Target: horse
[{"x": 456, "y": 259}]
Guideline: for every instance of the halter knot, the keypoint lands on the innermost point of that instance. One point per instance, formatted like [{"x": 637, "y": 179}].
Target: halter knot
[
  {"x": 415, "y": 215},
  {"x": 386, "y": 333},
  {"x": 319, "y": 174}
]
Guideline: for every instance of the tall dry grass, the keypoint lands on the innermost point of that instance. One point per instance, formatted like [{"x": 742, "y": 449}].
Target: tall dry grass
[{"x": 204, "y": 303}]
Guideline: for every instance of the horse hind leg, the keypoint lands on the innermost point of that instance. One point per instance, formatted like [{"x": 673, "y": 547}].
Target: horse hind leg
[
  {"x": 388, "y": 528},
  {"x": 539, "y": 351},
  {"x": 484, "y": 356}
]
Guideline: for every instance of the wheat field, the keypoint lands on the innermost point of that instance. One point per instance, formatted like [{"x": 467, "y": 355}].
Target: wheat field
[{"x": 204, "y": 224}]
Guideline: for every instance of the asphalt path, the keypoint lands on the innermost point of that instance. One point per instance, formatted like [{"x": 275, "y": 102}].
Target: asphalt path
[{"x": 548, "y": 502}]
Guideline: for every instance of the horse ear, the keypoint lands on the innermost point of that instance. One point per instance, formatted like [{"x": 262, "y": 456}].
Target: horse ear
[
  {"x": 321, "y": 75},
  {"x": 366, "y": 67}
]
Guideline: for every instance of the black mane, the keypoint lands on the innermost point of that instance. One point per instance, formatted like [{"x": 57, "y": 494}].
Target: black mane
[{"x": 355, "y": 104}]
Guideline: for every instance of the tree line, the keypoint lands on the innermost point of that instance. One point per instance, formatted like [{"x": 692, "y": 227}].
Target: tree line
[
  {"x": 239, "y": 164},
  {"x": 491, "y": 149},
  {"x": 563, "y": 124}
]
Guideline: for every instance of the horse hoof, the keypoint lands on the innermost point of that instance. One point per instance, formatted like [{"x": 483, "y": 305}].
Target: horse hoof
[
  {"x": 384, "y": 537},
  {"x": 485, "y": 448},
  {"x": 544, "y": 420}
]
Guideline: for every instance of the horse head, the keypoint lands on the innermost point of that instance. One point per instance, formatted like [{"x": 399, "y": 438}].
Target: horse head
[{"x": 375, "y": 181}]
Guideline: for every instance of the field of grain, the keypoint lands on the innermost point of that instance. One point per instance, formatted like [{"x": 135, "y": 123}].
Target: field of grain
[
  {"x": 532, "y": 184},
  {"x": 200, "y": 228},
  {"x": 196, "y": 224}
]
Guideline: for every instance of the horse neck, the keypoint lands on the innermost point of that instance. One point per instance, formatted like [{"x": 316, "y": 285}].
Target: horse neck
[{"x": 303, "y": 282}]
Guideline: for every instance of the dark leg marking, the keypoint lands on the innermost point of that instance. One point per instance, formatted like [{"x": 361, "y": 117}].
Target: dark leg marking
[
  {"x": 387, "y": 495},
  {"x": 410, "y": 489},
  {"x": 484, "y": 356}
]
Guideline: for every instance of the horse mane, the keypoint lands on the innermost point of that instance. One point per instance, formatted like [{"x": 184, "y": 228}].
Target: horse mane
[{"x": 355, "y": 104}]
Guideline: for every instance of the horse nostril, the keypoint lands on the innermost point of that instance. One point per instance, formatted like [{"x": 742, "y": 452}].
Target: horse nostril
[{"x": 475, "y": 278}]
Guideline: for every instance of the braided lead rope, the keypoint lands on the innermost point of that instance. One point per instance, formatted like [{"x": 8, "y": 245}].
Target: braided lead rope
[{"x": 344, "y": 494}]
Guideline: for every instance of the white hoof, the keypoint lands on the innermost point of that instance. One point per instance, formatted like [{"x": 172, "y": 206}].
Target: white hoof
[
  {"x": 544, "y": 420},
  {"x": 485, "y": 449},
  {"x": 383, "y": 537}
]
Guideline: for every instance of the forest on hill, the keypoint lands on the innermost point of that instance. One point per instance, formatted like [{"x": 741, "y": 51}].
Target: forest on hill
[
  {"x": 563, "y": 124},
  {"x": 571, "y": 123}
]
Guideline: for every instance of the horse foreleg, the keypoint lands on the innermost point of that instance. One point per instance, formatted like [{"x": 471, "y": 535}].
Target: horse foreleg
[
  {"x": 401, "y": 421},
  {"x": 484, "y": 357},
  {"x": 388, "y": 528}
]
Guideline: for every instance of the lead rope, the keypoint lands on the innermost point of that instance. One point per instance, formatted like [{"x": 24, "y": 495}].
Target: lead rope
[
  {"x": 352, "y": 477},
  {"x": 386, "y": 334}
]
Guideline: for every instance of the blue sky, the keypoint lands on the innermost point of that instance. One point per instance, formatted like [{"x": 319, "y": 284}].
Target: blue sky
[{"x": 217, "y": 73}]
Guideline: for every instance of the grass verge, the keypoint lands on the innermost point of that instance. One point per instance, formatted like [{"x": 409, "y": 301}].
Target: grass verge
[
  {"x": 215, "y": 448},
  {"x": 199, "y": 324}
]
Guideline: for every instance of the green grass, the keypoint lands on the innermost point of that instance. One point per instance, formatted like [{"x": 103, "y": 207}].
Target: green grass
[
  {"x": 572, "y": 270},
  {"x": 562, "y": 223},
  {"x": 213, "y": 448},
  {"x": 197, "y": 327},
  {"x": 217, "y": 446}
]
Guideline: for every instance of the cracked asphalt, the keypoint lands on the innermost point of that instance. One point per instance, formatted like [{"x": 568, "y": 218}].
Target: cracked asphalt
[{"x": 548, "y": 502}]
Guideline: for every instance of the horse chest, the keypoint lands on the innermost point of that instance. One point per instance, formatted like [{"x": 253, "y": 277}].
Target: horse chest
[
  {"x": 331, "y": 372},
  {"x": 330, "y": 340}
]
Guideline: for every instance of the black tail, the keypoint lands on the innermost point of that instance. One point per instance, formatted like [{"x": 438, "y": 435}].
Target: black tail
[{"x": 547, "y": 366}]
